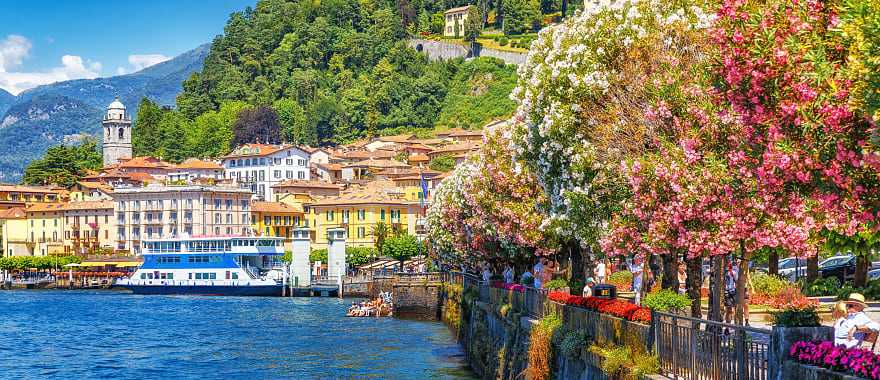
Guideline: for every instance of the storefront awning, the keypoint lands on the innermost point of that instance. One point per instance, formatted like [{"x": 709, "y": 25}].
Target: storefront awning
[{"x": 114, "y": 263}]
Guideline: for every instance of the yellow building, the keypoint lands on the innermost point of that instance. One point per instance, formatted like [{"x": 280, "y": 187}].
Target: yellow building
[
  {"x": 12, "y": 196},
  {"x": 89, "y": 227},
  {"x": 358, "y": 213},
  {"x": 276, "y": 219},
  {"x": 14, "y": 233},
  {"x": 45, "y": 228}
]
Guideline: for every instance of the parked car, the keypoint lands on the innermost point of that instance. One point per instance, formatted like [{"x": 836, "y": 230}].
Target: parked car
[
  {"x": 793, "y": 268},
  {"x": 874, "y": 274},
  {"x": 843, "y": 267}
]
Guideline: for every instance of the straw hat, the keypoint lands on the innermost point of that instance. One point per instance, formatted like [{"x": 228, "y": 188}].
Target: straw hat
[{"x": 858, "y": 299}]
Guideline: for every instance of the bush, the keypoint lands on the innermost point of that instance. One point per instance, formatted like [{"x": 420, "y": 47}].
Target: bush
[
  {"x": 573, "y": 343},
  {"x": 318, "y": 255},
  {"x": 821, "y": 287},
  {"x": 357, "y": 256},
  {"x": 666, "y": 300},
  {"x": 541, "y": 349},
  {"x": 767, "y": 284},
  {"x": 503, "y": 41},
  {"x": 622, "y": 362},
  {"x": 621, "y": 279},
  {"x": 527, "y": 281},
  {"x": 557, "y": 284},
  {"x": 808, "y": 317}
]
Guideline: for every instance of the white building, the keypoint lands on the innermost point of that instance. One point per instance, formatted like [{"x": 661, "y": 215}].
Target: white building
[
  {"x": 193, "y": 169},
  {"x": 117, "y": 134},
  {"x": 259, "y": 166}
]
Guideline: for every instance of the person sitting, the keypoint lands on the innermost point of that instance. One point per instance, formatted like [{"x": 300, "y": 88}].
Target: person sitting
[
  {"x": 588, "y": 288},
  {"x": 857, "y": 324}
]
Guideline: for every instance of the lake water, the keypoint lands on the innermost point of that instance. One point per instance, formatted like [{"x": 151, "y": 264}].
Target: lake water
[{"x": 115, "y": 335}]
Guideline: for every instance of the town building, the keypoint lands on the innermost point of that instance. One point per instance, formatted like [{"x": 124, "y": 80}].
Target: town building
[
  {"x": 45, "y": 229},
  {"x": 359, "y": 211},
  {"x": 328, "y": 172},
  {"x": 18, "y": 196},
  {"x": 367, "y": 169},
  {"x": 14, "y": 233},
  {"x": 152, "y": 166},
  {"x": 166, "y": 211},
  {"x": 276, "y": 219},
  {"x": 90, "y": 191},
  {"x": 312, "y": 188},
  {"x": 194, "y": 169},
  {"x": 259, "y": 166},
  {"x": 89, "y": 227},
  {"x": 455, "y": 16},
  {"x": 117, "y": 133}
]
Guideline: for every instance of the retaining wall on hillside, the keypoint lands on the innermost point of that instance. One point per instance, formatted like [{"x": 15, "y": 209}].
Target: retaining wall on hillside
[{"x": 437, "y": 50}]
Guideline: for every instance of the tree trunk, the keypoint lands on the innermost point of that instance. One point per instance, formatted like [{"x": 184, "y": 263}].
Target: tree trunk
[
  {"x": 694, "y": 285},
  {"x": 743, "y": 274},
  {"x": 773, "y": 262},
  {"x": 564, "y": 8},
  {"x": 576, "y": 260},
  {"x": 499, "y": 14},
  {"x": 670, "y": 272},
  {"x": 863, "y": 261},
  {"x": 717, "y": 288},
  {"x": 813, "y": 267}
]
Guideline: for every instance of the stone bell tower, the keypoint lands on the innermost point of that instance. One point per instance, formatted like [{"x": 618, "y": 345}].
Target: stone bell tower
[{"x": 117, "y": 133}]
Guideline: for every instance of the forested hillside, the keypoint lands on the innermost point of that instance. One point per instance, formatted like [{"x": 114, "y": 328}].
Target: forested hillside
[{"x": 322, "y": 73}]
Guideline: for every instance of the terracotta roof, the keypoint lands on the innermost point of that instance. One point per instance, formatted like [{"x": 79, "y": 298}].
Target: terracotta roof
[
  {"x": 466, "y": 133},
  {"x": 420, "y": 147},
  {"x": 409, "y": 171},
  {"x": 397, "y": 138},
  {"x": 304, "y": 183},
  {"x": 456, "y": 148},
  {"x": 363, "y": 154},
  {"x": 428, "y": 141},
  {"x": 331, "y": 167},
  {"x": 377, "y": 164},
  {"x": 459, "y": 9},
  {"x": 359, "y": 198},
  {"x": 13, "y": 213},
  {"x": 275, "y": 207},
  {"x": 26, "y": 189},
  {"x": 40, "y": 207},
  {"x": 87, "y": 205},
  {"x": 419, "y": 158},
  {"x": 144, "y": 162},
  {"x": 447, "y": 132},
  {"x": 357, "y": 144},
  {"x": 258, "y": 150},
  {"x": 195, "y": 163}
]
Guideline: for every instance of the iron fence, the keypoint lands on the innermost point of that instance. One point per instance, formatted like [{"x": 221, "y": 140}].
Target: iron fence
[{"x": 697, "y": 349}]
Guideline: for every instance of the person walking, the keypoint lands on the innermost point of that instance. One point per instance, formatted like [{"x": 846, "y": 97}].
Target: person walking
[
  {"x": 637, "y": 268},
  {"x": 600, "y": 271}
]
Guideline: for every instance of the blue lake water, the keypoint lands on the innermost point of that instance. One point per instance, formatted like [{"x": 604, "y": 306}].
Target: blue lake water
[{"x": 115, "y": 335}]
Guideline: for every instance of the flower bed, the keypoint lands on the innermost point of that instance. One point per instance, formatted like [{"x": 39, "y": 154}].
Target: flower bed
[
  {"x": 514, "y": 287},
  {"x": 617, "y": 308},
  {"x": 857, "y": 361}
]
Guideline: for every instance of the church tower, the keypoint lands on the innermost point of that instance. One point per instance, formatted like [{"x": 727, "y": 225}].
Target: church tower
[{"x": 117, "y": 133}]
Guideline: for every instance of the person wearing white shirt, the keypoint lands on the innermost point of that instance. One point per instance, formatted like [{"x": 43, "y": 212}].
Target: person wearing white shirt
[
  {"x": 508, "y": 274},
  {"x": 536, "y": 271},
  {"x": 487, "y": 274},
  {"x": 600, "y": 271},
  {"x": 588, "y": 288},
  {"x": 853, "y": 330},
  {"x": 636, "y": 269}
]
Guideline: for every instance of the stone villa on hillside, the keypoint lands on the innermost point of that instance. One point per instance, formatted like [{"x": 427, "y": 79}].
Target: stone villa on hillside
[{"x": 455, "y": 16}]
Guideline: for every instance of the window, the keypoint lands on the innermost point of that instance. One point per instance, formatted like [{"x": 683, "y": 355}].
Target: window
[
  {"x": 286, "y": 220},
  {"x": 382, "y": 215},
  {"x": 277, "y": 220},
  {"x": 277, "y": 161},
  {"x": 121, "y": 205},
  {"x": 262, "y": 161},
  {"x": 362, "y": 214},
  {"x": 262, "y": 175},
  {"x": 232, "y": 163},
  {"x": 198, "y": 259},
  {"x": 345, "y": 215},
  {"x": 229, "y": 204},
  {"x": 301, "y": 175},
  {"x": 362, "y": 232},
  {"x": 235, "y": 275},
  {"x": 244, "y": 205},
  {"x": 330, "y": 216},
  {"x": 289, "y": 161},
  {"x": 289, "y": 174},
  {"x": 217, "y": 204},
  {"x": 229, "y": 218},
  {"x": 301, "y": 162},
  {"x": 247, "y": 162},
  {"x": 277, "y": 173},
  {"x": 267, "y": 220},
  {"x": 244, "y": 218}
]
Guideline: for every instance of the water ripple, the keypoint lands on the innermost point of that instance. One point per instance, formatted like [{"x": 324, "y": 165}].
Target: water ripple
[{"x": 91, "y": 335}]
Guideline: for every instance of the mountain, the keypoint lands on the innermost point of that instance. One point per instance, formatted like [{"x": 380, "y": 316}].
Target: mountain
[
  {"x": 6, "y": 100},
  {"x": 67, "y": 111}
]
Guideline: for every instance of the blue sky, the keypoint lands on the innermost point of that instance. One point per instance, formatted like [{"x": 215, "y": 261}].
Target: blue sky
[{"x": 43, "y": 41}]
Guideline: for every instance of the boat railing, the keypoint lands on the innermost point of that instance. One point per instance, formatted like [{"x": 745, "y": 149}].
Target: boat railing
[
  {"x": 139, "y": 282},
  {"x": 252, "y": 271}
]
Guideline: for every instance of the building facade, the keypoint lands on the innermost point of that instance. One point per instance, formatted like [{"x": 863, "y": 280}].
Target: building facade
[
  {"x": 14, "y": 233},
  {"x": 45, "y": 229},
  {"x": 169, "y": 211},
  {"x": 117, "y": 133},
  {"x": 359, "y": 214},
  {"x": 257, "y": 167},
  {"x": 455, "y": 16},
  {"x": 88, "y": 227}
]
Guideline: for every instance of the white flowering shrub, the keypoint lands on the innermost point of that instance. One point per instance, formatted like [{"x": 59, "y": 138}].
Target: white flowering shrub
[{"x": 601, "y": 87}]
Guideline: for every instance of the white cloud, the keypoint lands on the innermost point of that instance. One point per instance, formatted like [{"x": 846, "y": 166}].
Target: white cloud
[
  {"x": 15, "y": 48},
  {"x": 140, "y": 61},
  {"x": 121, "y": 71}
]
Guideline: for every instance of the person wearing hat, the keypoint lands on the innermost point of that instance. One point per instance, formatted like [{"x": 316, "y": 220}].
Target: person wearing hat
[
  {"x": 857, "y": 325},
  {"x": 588, "y": 287}
]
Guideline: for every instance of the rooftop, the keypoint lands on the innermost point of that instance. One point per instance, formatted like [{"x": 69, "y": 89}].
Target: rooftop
[
  {"x": 304, "y": 183},
  {"x": 180, "y": 189},
  {"x": 276, "y": 207},
  {"x": 259, "y": 150},
  {"x": 377, "y": 164},
  {"x": 87, "y": 205},
  {"x": 13, "y": 213},
  {"x": 195, "y": 163},
  {"x": 26, "y": 189},
  {"x": 457, "y": 10}
]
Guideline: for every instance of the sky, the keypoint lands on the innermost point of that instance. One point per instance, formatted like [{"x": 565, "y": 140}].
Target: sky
[{"x": 46, "y": 41}]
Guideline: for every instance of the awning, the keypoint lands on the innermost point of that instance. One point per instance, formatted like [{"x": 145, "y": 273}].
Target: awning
[{"x": 114, "y": 263}]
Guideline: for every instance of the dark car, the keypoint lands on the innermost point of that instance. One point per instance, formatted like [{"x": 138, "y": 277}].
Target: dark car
[{"x": 842, "y": 267}]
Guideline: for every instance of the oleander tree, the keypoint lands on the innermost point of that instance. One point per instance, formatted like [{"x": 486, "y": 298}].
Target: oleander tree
[
  {"x": 583, "y": 96},
  {"x": 446, "y": 230}
]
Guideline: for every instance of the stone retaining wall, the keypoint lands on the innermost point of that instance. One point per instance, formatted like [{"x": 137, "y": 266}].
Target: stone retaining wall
[{"x": 437, "y": 50}]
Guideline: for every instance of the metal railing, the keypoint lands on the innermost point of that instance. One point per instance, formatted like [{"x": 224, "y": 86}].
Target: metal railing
[{"x": 697, "y": 349}]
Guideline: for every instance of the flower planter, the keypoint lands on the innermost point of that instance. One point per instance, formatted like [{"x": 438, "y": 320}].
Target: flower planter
[{"x": 781, "y": 341}]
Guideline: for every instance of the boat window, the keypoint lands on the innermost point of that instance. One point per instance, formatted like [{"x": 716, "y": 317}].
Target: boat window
[
  {"x": 170, "y": 276},
  {"x": 213, "y": 276},
  {"x": 162, "y": 276},
  {"x": 150, "y": 276},
  {"x": 143, "y": 276},
  {"x": 198, "y": 276},
  {"x": 234, "y": 275}
]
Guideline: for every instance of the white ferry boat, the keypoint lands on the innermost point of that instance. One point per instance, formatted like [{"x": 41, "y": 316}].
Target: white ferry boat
[{"x": 228, "y": 266}]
